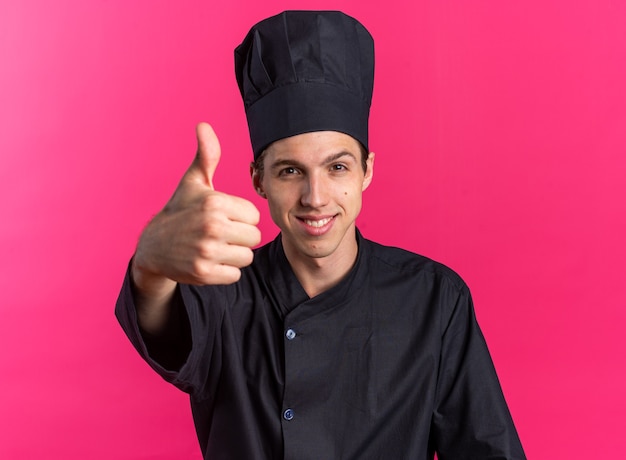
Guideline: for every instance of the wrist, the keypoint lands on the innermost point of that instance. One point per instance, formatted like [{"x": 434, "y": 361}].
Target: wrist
[{"x": 148, "y": 284}]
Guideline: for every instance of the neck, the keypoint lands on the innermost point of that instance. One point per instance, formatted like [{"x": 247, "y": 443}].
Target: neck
[{"x": 318, "y": 274}]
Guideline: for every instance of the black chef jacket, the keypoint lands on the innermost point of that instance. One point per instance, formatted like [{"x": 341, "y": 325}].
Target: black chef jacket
[{"x": 388, "y": 364}]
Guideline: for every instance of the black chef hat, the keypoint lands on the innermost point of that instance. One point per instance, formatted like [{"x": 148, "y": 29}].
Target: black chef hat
[{"x": 303, "y": 71}]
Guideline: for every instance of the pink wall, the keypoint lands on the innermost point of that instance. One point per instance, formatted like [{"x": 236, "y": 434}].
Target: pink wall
[{"x": 500, "y": 132}]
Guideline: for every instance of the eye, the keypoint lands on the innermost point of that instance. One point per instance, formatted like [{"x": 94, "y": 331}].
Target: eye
[
  {"x": 338, "y": 167},
  {"x": 289, "y": 171}
]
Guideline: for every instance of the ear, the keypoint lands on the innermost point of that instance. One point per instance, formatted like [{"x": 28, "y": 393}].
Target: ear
[
  {"x": 369, "y": 173},
  {"x": 257, "y": 177}
]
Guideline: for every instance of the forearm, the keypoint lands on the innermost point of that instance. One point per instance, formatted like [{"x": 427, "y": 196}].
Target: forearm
[
  {"x": 156, "y": 322},
  {"x": 155, "y": 301}
]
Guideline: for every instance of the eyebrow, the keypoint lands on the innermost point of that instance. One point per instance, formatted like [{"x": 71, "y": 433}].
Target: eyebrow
[{"x": 328, "y": 160}]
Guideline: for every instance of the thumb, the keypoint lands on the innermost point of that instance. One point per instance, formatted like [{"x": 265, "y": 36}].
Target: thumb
[{"x": 209, "y": 152}]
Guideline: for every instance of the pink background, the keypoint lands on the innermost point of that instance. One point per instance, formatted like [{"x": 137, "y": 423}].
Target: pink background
[{"x": 500, "y": 132}]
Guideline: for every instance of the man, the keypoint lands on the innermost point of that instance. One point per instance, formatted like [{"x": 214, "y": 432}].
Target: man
[{"x": 320, "y": 344}]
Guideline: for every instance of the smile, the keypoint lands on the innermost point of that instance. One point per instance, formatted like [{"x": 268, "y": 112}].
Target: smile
[{"x": 317, "y": 223}]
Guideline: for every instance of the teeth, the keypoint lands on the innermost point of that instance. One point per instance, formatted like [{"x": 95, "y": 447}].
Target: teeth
[{"x": 317, "y": 223}]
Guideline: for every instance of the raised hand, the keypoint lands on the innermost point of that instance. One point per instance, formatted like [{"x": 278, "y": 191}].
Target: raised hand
[{"x": 201, "y": 236}]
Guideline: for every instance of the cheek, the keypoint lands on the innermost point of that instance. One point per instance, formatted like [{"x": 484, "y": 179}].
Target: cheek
[
  {"x": 351, "y": 198},
  {"x": 351, "y": 192},
  {"x": 276, "y": 212},
  {"x": 279, "y": 203}
]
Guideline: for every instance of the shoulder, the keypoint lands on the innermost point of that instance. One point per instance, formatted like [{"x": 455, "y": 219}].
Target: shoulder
[
  {"x": 414, "y": 286},
  {"x": 400, "y": 262}
]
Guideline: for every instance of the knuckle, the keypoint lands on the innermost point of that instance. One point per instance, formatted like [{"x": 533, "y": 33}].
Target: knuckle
[
  {"x": 198, "y": 269},
  {"x": 213, "y": 227},
  {"x": 212, "y": 201},
  {"x": 207, "y": 252},
  {"x": 257, "y": 236},
  {"x": 247, "y": 257},
  {"x": 256, "y": 214},
  {"x": 211, "y": 273},
  {"x": 253, "y": 214},
  {"x": 233, "y": 276}
]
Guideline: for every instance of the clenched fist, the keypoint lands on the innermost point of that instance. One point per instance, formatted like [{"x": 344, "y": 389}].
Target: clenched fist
[{"x": 201, "y": 236}]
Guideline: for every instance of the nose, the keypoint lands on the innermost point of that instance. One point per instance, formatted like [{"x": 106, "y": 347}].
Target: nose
[{"x": 314, "y": 192}]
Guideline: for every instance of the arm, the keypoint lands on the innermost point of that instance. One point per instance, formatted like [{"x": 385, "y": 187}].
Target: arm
[
  {"x": 154, "y": 298},
  {"x": 471, "y": 419},
  {"x": 200, "y": 237}
]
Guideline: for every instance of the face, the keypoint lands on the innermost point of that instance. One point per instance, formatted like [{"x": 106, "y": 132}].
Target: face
[{"x": 314, "y": 183}]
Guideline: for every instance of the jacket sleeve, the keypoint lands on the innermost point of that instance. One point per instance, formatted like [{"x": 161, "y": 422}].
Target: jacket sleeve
[
  {"x": 183, "y": 361},
  {"x": 471, "y": 419}
]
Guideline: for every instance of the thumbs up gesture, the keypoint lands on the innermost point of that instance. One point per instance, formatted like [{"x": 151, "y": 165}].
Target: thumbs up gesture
[{"x": 201, "y": 236}]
